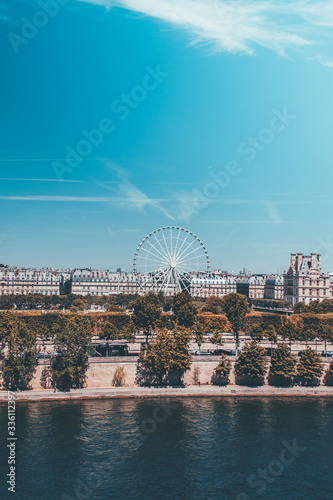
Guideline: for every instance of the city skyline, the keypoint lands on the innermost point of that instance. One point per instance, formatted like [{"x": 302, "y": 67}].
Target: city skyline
[{"x": 187, "y": 124}]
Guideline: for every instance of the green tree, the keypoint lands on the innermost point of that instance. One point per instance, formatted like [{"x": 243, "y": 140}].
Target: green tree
[
  {"x": 180, "y": 357},
  {"x": 283, "y": 367},
  {"x": 165, "y": 355},
  {"x": 183, "y": 309},
  {"x": 146, "y": 313},
  {"x": 289, "y": 331},
  {"x": 300, "y": 308},
  {"x": 309, "y": 368},
  {"x": 325, "y": 333},
  {"x": 257, "y": 333},
  {"x": 80, "y": 304},
  {"x": 213, "y": 305},
  {"x": 308, "y": 333},
  {"x": 199, "y": 334},
  {"x": 155, "y": 360},
  {"x": 251, "y": 365},
  {"x": 236, "y": 307},
  {"x": 222, "y": 371},
  {"x": 328, "y": 380},
  {"x": 19, "y": 367},
  {"x": 270, "y": 334},
  {"x": 72, "y": 341},
  {"x": 109, "y": 331},
  {"x": 216, "y": 338},
  {"x": 6, "y": 302}
]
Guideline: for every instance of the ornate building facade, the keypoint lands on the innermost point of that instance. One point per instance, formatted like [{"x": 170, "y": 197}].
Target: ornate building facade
[{"x": 305, "y": 281}]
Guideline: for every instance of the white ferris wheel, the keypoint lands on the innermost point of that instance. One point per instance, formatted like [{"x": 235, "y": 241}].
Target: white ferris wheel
[{"x": 168, "y": 258}]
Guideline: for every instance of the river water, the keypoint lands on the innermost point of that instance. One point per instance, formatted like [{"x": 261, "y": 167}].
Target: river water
[{"x": 184, "y": 448}]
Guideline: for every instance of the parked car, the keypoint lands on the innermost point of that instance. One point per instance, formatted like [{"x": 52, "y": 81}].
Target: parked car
[
  {"x": 203, "y": 353},
  {"x": 228, "y": 352},
  {"x": 327, "y": 354},
  {"x": 43, "y": 355},
  {"x": 269, "y": 351}
]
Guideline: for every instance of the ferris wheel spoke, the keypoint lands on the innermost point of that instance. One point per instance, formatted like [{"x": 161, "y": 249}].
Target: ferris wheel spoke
[
  {"x": 157, "y": 255},
  {"x": 154, "y": 266},
  {"x": 171, "y": 251},
  {"x": 199, "y": 262},
  {"x": 156, "y": 258},
  {"x": 181, "y": 278},
  {"x": 176, "y": 245},
  {"x": 185, "y": 257},
  {"x": 181, "y": 246},
  {"x": 166, "y": 277},
  {"x": 163, "y": 254},
  {"x": 164, "y": 250},
  {"x": 152, "y": 263},
  {"x": 186, "y": 249},
  {"x": 189, "y": 251},
  {"x": 168, "y": 281},
  {"x": 166, "y": 246}
]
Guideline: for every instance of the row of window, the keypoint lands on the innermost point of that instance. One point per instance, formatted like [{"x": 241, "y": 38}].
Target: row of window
[{"x": 312, "y": 292}]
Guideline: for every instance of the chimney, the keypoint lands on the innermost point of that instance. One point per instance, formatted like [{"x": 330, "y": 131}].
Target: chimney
[
  {"x": 313, "y": 260},
  {"x": 299, "y": 261}
]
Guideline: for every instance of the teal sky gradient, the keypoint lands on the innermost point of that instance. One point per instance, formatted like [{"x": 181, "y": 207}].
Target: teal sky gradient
[{"x": 149, "y": 171}]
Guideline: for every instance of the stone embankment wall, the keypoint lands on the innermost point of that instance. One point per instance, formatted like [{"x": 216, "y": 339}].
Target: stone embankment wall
[{"x": 100, "y": 373}]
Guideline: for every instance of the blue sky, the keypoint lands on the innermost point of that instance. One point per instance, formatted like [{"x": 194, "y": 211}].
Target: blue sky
[{"x": 177, "y": 94}]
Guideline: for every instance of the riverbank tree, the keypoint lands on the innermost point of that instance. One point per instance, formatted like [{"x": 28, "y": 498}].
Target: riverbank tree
[
  {"x": 310, "y": 368},
  {"x": 328, "y": 379},
  {"x": 251, "y": 365},
  {"x": 164, "y": 358},
  {"x": 283, "y": 367},
  {"x": 19, "y": 366},
  {"x": 69, "y": 364},
  {"x": 222, "y": 371}
]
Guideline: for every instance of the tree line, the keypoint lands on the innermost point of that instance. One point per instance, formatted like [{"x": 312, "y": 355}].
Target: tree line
[{"x": 167, "y": 336}]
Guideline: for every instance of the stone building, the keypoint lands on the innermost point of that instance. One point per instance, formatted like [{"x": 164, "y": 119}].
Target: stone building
[
  {"x": 101, "y": 282},
  {"x": 274, "y": 287},
  {"x": 213, "y": 285},
  {"x": 251, "y": 286},
  {"x": 17, "y": 281},
  {"x": 305, "y": 281}
]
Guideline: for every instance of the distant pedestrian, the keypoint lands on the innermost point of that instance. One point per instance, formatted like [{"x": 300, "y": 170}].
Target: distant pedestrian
[
  {"x": 199, "y": 383},
  {"x": 55, "y": 387}
]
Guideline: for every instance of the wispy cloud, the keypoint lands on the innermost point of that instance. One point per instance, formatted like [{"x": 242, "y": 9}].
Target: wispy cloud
[
  {"x": 83, "y": 199},
  {"x": 37, "y": 180},
  {"x": 237, "y": 221},
  {"x": 132, "y": 197},
  {"x": 239, "y": 26},
  {"x": 272, "y": 211}
]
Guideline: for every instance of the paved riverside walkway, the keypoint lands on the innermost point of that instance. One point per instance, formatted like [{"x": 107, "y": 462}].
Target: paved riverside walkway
[{"x": 147, "y": 392}]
